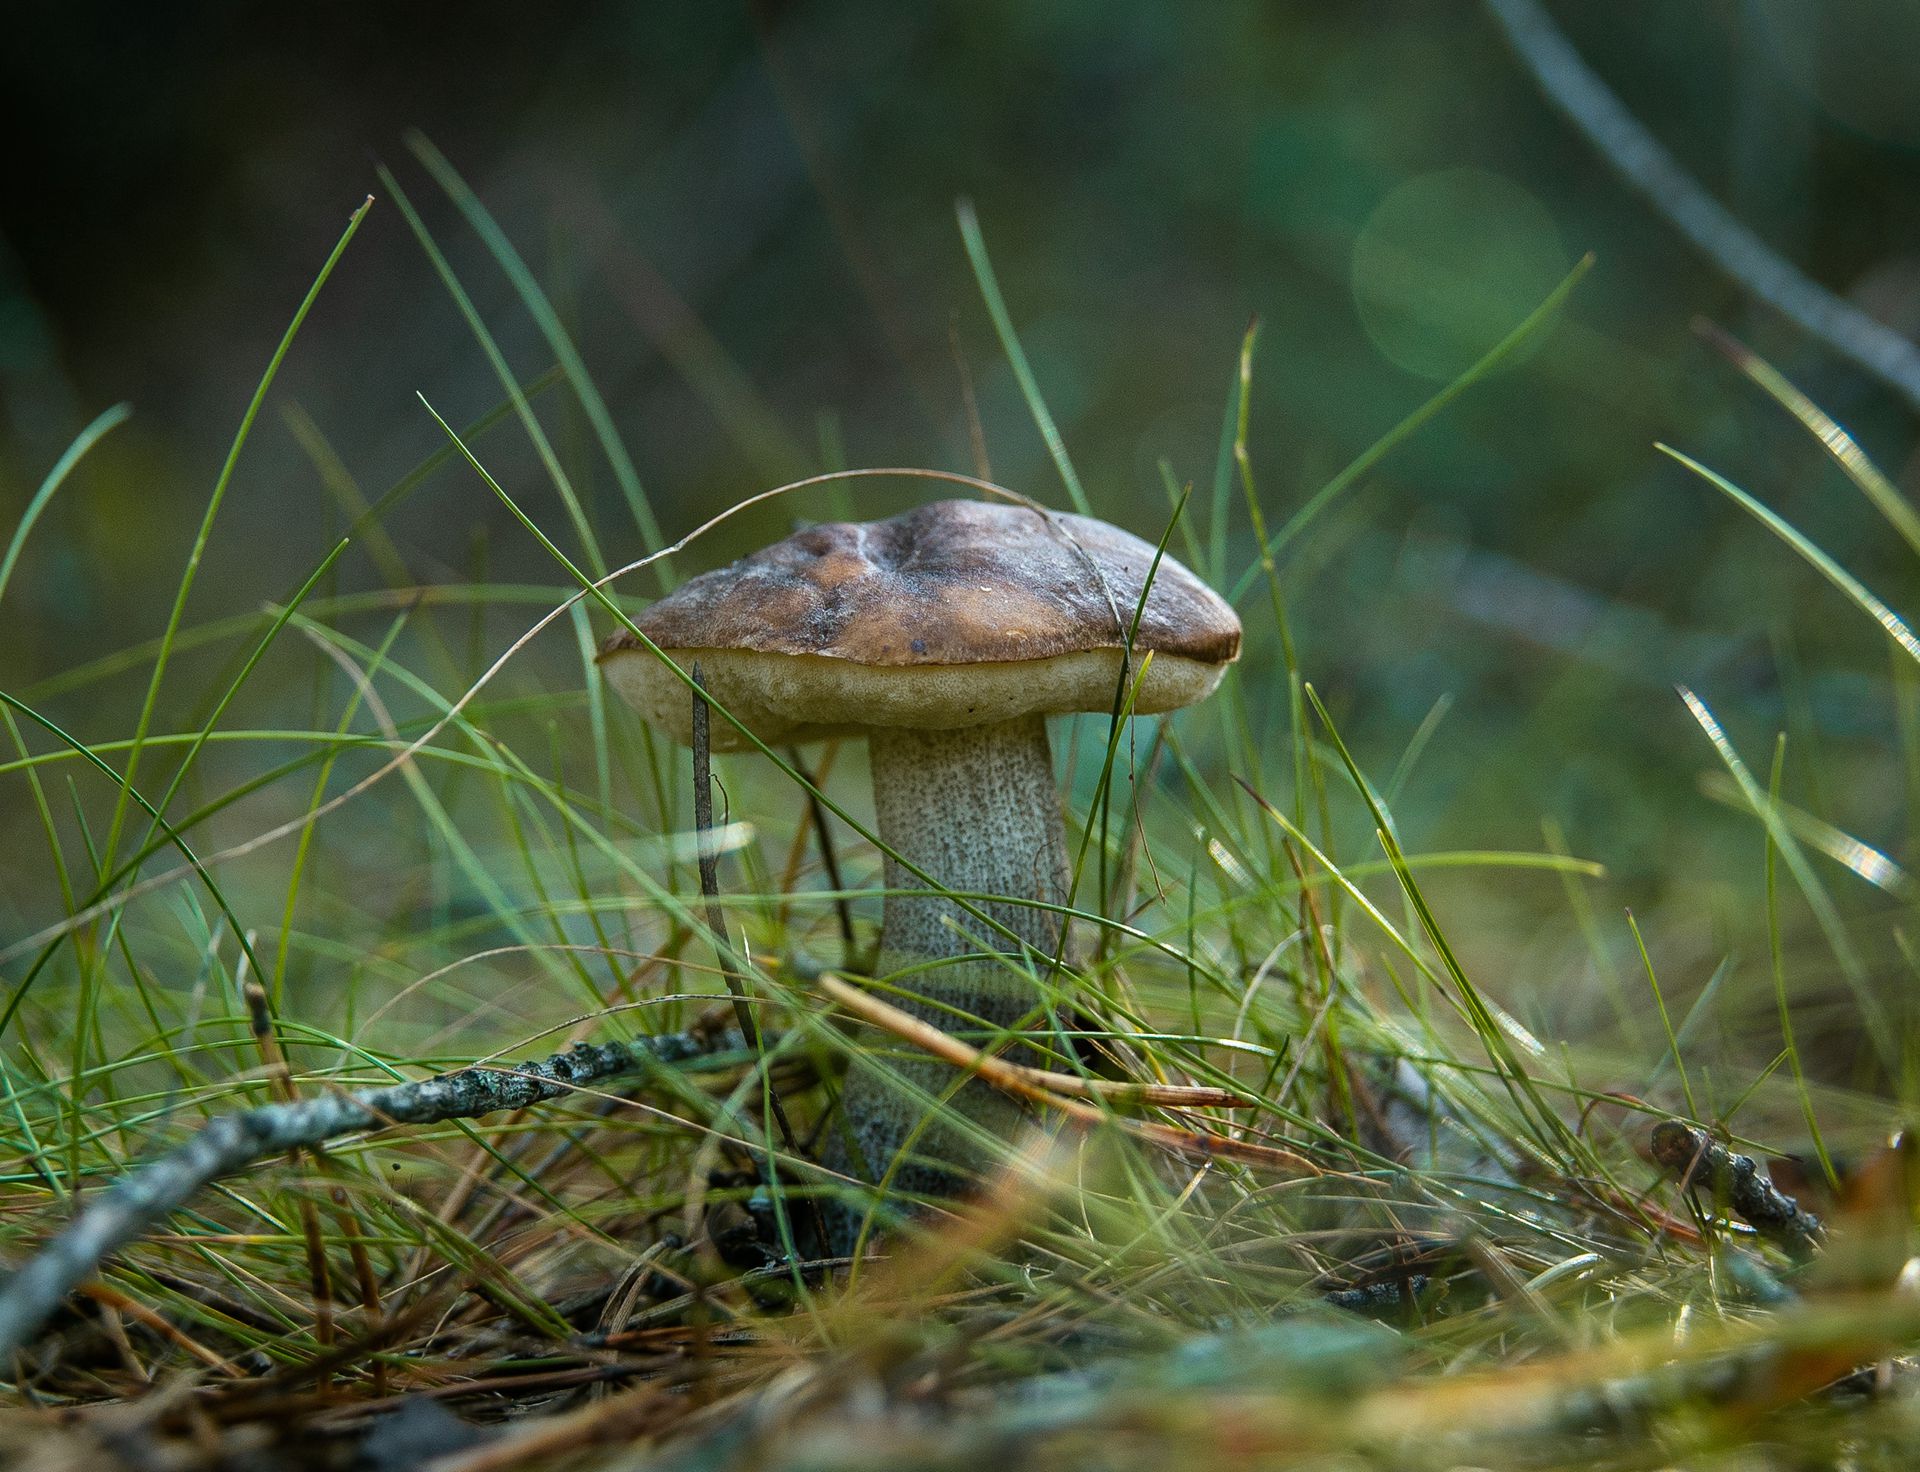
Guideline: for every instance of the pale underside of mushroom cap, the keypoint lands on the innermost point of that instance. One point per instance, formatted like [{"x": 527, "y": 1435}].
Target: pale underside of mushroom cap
[
  {"x": 803, "y": 697},
  {"x": 959, "y": 613}
]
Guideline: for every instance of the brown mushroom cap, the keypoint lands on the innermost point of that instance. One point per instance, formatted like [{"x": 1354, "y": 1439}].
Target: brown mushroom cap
[{"x": 959, "y": 613}]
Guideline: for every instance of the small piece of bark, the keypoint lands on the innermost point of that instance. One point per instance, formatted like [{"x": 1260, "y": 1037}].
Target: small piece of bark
[{"x": 1737, "y": 1180}]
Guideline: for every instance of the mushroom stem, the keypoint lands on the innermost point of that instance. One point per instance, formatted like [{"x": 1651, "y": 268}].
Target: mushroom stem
[{"x": 977, "y": 809}]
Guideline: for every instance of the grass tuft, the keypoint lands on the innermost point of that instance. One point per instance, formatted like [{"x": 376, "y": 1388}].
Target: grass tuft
[{"x": 1325, "y": 1184}]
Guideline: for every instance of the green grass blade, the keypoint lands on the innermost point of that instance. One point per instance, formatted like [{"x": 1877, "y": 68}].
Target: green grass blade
[
  {"x": 42, "y": 809},
  {"x": 1219, "y": 510},
  {"x": 1825, "y": 913},
  {"x": 1376, "y": 452},
  {"x": 1016, "y": 355},
  {"x": 1856, "y": 592},
  {"x": 62, "y": 468},
  {"x": 201, "y": 537},
  {"x": 565, "y": 353},
  {"x": 1777, "y": 963},
  {"x": 1666, "y": 1020},
  {"x": 529, "y": 421},
  {"x": 1860, "y": 859},
  {"x": 1845, "y": 450}
]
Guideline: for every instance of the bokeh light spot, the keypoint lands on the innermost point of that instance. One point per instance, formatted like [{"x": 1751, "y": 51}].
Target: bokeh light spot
[{"x": 1448, "y": 263}]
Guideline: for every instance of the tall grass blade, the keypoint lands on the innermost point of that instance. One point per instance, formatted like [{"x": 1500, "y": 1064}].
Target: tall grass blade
[
  {"x": 1877, "y": 1025},
  {"x": 145, "y": 721},
  {"x": 548, "y": 321},
  {"x": 56, "y": 477},
  {"x": 529, "y": 421},
  {"x": 1379, "y": 449},
  {"x": 1777, "y": 964},
  {"x": 1016, "y": 355},
  {"x": 1896, "y": 627},
  {"x": 1845, "y": 450}
]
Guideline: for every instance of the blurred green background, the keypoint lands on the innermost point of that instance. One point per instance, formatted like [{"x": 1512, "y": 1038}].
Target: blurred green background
[{"x": 745, "y": 214}]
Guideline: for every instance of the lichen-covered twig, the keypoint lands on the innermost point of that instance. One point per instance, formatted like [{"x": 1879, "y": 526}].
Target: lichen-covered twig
[
  {"x": 232, "y": 1142},
  {"x": 1640, "y": 159},
  {"x": 1700, "y": 1160}
]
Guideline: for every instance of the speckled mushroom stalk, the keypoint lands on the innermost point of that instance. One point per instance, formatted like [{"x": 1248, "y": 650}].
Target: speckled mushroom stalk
[
  {"x": 945, "y": 636},
  {"x": 977, "y": 808}
]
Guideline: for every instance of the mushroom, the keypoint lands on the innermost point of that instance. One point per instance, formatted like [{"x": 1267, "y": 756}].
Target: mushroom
[{"x": 945, "y": 636}]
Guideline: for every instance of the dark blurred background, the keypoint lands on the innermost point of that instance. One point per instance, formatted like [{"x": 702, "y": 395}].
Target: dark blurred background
[{"x": 745, "y": 214}]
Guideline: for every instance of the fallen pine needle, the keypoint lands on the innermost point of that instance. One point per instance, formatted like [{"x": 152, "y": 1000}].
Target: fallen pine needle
[
  {"x": 1068, "y": 1092},
  {"x": 1015, "y": 1076}
]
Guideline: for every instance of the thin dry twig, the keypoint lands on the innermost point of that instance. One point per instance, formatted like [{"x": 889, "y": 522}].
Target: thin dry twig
[
  {"x": 267, "y": 1039},
  {"x": 717, "y": 925},
  {"x": 1032, "y": 1083},
  {"x": 1067, "y": 1092}
]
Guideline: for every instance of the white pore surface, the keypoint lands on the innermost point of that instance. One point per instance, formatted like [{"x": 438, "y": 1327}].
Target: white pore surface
[{"x": 807, "y": 697}]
